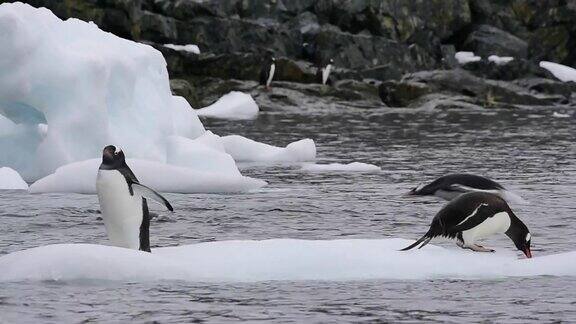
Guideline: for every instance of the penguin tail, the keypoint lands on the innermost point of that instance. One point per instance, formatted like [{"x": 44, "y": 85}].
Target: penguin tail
[{"x": 425, "y": 239}]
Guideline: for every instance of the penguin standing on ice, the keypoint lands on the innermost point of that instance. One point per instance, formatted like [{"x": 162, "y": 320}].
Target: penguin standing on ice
[
  {"x": 474, "y": 216},
  {"x": 267, "y": 72},
  {"x": 122, "y": 203},
  {"x": 453, "y": 185},
  {"x": 323, "y": 73}
]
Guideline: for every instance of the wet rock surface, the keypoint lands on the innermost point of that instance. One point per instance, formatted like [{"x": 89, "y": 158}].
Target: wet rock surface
[{"x": 387, "y": 52}]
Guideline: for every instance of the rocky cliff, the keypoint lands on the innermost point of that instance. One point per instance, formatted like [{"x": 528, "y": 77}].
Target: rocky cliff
[{"x": 371, "y": 41}]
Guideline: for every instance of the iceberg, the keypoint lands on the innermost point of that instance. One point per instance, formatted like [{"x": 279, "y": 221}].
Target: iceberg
[
  {"x": 11, "y": 180},
  {"x": 234, "y": 105},
  {"x": 350, "y": 167},
  {"x": 244, "y": 149},
  {"x": 275, "y": 259}
]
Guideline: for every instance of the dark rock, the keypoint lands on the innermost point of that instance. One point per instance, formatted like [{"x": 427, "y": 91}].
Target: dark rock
[
  {"x": 488, "y": 40},
  {"x": 401, "y": 94},
  {"x": 549, "y": 87},
  {"x": 157, "y": 28},
  {"x": 184, "y": 89},
  {"x": 448, "y": 53},
  {"x": 515, "y": 69}
]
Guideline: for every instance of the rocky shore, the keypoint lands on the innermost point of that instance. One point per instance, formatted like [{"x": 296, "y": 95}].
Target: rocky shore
[{"x": 397, "y": 53}]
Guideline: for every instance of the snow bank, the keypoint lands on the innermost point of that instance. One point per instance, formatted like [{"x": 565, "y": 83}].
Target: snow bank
[
  {"x": 350, "y": 167},
  {"x": 80, "y": 177},
  {"x": 562, "y": 72},
  {"x": 10, "y": 179},
  {"x": 466, "y": 57},
  {"x": 190, "y": 48},
  {"x": 500, "y": 60},
  {"x": 244, "y": 149},
  {"x": 279, "y": 259},
  {"x": 234, "y": 105}
]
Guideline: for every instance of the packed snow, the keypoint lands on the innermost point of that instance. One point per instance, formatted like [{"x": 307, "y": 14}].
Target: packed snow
[
  {"x": 466, "y": 57},
  {"x": 11, "y": 180},
  {"x": 350, "y": 167},
  {"x": 500, "y": 60},
  {"x": 234, "y": 105},
  {"x": 562, "y": 72},
  {"x": 276, "y": 259},
  {"x": 190, "y": 48},
  {"x": 80, "y": 177},
  {"x": 244, "y": 149}
]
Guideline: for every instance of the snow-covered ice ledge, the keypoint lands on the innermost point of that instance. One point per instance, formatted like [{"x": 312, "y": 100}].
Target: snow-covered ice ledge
[{"x": 277, "y": 259}]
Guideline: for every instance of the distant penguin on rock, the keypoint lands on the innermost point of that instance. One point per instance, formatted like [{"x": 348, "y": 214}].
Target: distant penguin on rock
[
  {"x": 453, "y": 185},
  {"x": 267, "y": 72},
  {"x": 122, "y": 203},
  {"x": 474, "y": 216},
  {"x": 323, "y": 73}
]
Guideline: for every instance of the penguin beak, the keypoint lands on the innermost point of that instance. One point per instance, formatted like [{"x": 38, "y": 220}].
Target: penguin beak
[{"x": 528, "y": 253}]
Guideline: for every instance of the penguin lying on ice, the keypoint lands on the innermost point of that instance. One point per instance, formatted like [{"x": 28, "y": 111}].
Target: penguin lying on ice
[
  {"x": 122, "y": 203},
  {"x": 473, "y": 216}
]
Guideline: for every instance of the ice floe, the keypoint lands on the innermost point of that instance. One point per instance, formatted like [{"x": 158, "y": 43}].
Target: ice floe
[
  {"x": 244, "y": 149},
  {"x": 350, "y": 167},
  {"x": 276, "y": 259},
  {"x": 234, "y": 105},
  {"x": 10, "y": 179}
]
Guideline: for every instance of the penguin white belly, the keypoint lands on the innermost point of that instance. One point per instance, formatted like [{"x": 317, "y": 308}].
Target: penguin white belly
[
  {"x": 499, "y": 223},
  {"x": 122, "y": 213},
  {"x": 271, "y": 74},
  {"x": 326, "y": 73}
]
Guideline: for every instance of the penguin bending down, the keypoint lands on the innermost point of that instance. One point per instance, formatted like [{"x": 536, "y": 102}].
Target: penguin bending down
[
  {"x": 453, "y": 185},
  {"x": 122, "y": 203},
  {"x": 267, "y": 72},
  {"x": 473, "y": 216},
  {"x": 323, "y": 73}
]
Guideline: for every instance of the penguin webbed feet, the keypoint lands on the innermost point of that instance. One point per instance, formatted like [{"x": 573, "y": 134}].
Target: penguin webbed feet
[{"x": 475, "y": 247}]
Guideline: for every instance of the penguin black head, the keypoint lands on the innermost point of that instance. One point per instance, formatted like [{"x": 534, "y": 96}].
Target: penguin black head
[
  {"x": 520, "y": 235},
  {"x": 421, "y": 190},
  {"x": 112, "y": 157}
]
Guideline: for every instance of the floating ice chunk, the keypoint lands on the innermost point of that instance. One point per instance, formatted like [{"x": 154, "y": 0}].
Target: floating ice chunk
[
  {"x": 500, "y": 60},
  {"x": 466, "y": 57},
  {"x": 560, "y": 115},
  {"x": 80, "y": 177},
  {"x": 350, "y": 167},
  {"x": 277, "y": 259},
  {"x": 562, "y": 72},
  {"x": 205, "y": 153},
  {"x": 234, "y": 105},
  {"x": 10, "y": 179},
  {"x": 190, "y": 48},
  {"x": 244, "y": 149}
]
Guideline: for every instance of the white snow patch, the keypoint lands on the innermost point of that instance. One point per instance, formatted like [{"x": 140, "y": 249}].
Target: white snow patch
[
  {"x": 350, "y": 167},
  {"x": 560, "y": 115},
  {"x": 466, "y": 57},
  {"x": 277, "y": 259},
  {"x": 562, "y": 72},
  {"x": 10, "y": 179},
  {"x": 500, "y": 60},
  {"x": 80, "y": 177},
  {"x": 244, "y": 149},
  {"x": 190, "y": 48},
  {"x": 234, "y": 105}
]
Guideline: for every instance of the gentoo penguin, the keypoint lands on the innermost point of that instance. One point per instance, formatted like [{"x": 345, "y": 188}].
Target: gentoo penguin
[
  {"x": 323, "y": 73},
  {"x": 473, "y": 216},
  {"x": 122, "y": 203},
  {"x": 267, "y": 72},
  {"x": 452, "y": 185}
]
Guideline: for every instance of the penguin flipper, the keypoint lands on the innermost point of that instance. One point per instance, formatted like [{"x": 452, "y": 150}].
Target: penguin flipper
[{"x": 146, "y": 192}]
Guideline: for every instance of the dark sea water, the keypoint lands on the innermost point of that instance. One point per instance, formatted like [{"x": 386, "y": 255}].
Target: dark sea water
[{"x": 528, "y": 151}]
